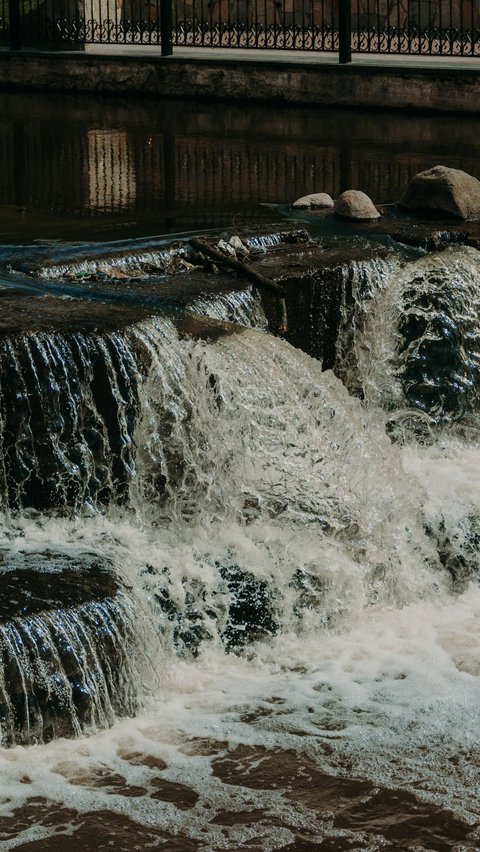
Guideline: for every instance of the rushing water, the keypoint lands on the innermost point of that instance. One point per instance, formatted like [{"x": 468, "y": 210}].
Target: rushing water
[{"x": 296, "y": 556}]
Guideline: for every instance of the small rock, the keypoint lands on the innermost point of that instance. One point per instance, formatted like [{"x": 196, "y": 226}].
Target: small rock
[
  {"x": 316, "y": 199},
  {"x": 239, "y": 247},
  {"x": 225, "y": 247},
  {"x": 444, "y": 189},
  {"x": 354, "y": 204}
]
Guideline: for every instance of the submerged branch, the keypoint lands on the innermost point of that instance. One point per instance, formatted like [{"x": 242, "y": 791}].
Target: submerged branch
[{"x": 237, "y": 266}]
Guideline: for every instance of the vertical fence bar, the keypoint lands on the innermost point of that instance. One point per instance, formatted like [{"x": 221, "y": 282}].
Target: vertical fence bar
[
  {"x": 474, "y": 32},
  {"x": 462, "y": 31},
  {"x": 166, "y": 27},
  {"x": 440, "y": 29},
  {"x": 357, "y": 27},
  {"x": 15, "y": 24},
  {"x": 344, "y": 31}
]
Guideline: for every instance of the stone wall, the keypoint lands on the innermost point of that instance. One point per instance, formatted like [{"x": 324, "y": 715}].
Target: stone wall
[{"x": 428, "y": 88}]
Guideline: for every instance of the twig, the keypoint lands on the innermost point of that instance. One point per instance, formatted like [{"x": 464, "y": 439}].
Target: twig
[{"x": 238, "y": 266}]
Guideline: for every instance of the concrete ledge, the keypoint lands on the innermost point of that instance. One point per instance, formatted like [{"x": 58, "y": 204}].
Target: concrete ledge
[{"x": 439, "y": 86}]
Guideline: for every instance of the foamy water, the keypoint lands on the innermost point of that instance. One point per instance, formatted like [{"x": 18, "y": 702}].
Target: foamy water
[
  {"x": 380, "y": 691},
  {"x": 307, "y": 597}
]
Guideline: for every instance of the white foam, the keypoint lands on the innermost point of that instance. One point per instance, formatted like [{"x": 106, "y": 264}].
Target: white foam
[{"x": 273, "y": 468}]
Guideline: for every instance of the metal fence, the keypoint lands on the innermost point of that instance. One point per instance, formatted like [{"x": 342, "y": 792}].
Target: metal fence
[
  {"x": 422, "y": 27},
  {"x": 269, "y": 24},
  {"x": 418, "y": 27}
]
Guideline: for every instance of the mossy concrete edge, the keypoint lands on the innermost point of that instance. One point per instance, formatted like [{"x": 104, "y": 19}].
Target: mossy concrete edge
[{"x": 398, "y": 87}]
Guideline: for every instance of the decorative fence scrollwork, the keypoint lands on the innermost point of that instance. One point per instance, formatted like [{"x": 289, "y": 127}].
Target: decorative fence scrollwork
[{"x": 410, "y": 27}]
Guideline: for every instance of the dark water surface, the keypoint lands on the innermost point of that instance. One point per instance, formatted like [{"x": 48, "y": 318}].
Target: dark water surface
[{"x": 84, "y": 167}]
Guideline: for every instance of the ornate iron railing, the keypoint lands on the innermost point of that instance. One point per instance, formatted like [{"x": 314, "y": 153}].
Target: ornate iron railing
[
  {"x": 412, "y": 27},
  {"x": 421, "y": 27}
]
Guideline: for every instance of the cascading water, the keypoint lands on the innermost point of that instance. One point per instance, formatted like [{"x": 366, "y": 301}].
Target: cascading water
[
  {"x": 410, "y": 346},
  {"x": 302, "y": 576},
  {"x": 414, "y": 341},
  {"x": 68, "y": 408},
  {"x": 64, "y": 662}
]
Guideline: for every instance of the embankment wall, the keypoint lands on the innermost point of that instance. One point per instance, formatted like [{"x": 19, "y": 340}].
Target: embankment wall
[{"x": 383, "y": 86}]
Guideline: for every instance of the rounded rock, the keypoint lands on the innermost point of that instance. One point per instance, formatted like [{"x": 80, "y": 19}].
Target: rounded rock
[
  {"x": 354, "y": 204},
  {"x": 444, "y": 190},
  {"x": 319, "y": 200}
]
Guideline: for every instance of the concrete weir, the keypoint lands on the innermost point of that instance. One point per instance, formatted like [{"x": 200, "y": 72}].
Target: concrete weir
[{"x": 429, "y": 84}]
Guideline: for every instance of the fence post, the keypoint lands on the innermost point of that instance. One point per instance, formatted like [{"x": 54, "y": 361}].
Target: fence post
[
  {"x": 15, "y": 25},
  {"x": 166, "y": 27},
  {"x": 344, "y": 31}
]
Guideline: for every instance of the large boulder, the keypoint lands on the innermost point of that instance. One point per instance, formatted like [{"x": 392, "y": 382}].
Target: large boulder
[
  {"x": 319, "y": 200},
  {"x": 447, "y": 190},
  {"x": 354, "y": 204}
]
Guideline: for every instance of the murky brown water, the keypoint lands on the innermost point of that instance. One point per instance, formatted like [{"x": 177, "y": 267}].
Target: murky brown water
[
  {"x": 84, "y": 167},
  {"x": 356, "y": 814}
]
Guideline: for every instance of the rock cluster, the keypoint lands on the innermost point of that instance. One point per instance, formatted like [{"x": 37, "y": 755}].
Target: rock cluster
[
  {"x": 352, "y": 204},
  {"x": 437, "y": 190}
]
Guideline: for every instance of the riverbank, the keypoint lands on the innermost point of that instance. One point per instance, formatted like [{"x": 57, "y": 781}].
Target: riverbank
[{"x": 428, "y": 84}]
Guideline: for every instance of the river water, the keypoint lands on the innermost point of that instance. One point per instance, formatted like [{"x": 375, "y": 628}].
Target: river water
[
  {"x": 298, "y": 551},
  {"x": 303, "y": 569},
  {"x": 106, "y": 168}
]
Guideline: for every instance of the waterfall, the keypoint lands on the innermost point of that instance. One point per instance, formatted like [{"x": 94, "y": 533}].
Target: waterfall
[
  {"x": 71, "y": 405},
  {"x": 410, "y": 336},
  {"x": 67, "y": 645},
  {"x": 68, "y": 406},
  {"x": 253, "y": 558}
]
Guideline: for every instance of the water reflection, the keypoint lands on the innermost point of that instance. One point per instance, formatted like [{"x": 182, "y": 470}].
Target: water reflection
[
  {"x": 158, "y": 166},
  {"x": 111, "y": 171}
]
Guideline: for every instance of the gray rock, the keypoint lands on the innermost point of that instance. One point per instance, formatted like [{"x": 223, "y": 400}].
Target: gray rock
[
  {"x": 354, "y": 204},
  {"x": 226, "y": 248},
  {"x": 443, "y": 189},
  {"x": 239, "y": 247},
  {"x": 316, "y": 199}
]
